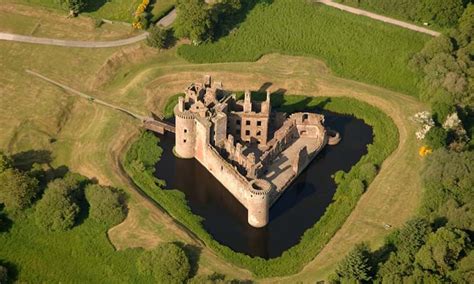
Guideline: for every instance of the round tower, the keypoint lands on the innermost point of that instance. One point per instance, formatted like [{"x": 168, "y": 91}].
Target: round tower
[
  {"x": 185, "y": 133},
  {"x": 258, "y": 205}
]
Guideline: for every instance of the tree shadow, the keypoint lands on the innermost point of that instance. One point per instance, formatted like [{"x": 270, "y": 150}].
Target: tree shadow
[
  {"x": 228, "y": 19},
  {"x": 25, "y": 160},
  {"x": 93, "y": 5},
  {"x": 12, "y": 269},
  {"x": 193, "y": 253},
  {"x": 5, "y": 223}
]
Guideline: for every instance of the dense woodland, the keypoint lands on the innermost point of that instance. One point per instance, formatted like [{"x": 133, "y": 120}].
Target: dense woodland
[{"x": 436, "y": 246}]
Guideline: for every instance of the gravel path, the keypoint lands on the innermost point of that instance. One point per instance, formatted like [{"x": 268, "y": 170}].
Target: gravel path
[
  {"x": 379, "y": 17},
  {"x": 165, "y": 22}
]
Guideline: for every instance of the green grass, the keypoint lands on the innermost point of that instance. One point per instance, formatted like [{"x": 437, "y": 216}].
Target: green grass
[
  {"x": 315, "y": 238},
  {"x": 160, "y": 8},
  {"x": 170, "y": 104},
  {"x": 354, "y": 47},
  {"x": 81, "y": 255},
  {"x": 114, "y": 10}
]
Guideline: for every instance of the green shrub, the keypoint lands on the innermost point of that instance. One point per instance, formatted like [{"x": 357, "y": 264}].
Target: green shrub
[
  {"x": 172, "y": 101},
  {"x": 367, "y": 173},
  {"x": 352, "y": 46},
  {"x": 159, "y": 37},
  {"x": 5, "y": 162},
  {"x": 357, "y": 187},
  {"x": 17, "y": 190},
  {"x": 165, "y": 264},
  {"x": 436, "y": 137},
  {"x": 315, "y": 238},
  {"x": 58, "y": 209},
  {"x": 107, "y": 204}
]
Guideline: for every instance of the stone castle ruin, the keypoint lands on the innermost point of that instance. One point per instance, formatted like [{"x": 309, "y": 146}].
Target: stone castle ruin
[{"x": 253, "y": 151}]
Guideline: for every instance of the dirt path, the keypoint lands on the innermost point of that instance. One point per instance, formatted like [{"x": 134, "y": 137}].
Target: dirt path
[{"x": 379, "y": 17}]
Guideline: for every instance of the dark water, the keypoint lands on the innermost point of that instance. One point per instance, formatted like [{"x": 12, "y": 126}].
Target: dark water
[{"x": 302, "y": 204}]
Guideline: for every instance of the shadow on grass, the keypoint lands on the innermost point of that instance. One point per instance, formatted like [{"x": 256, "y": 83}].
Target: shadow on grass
[
  {"x": 12, "y": 271},
  {"x": 93, "y": 5},
  {"x": 25, "y": 160}
]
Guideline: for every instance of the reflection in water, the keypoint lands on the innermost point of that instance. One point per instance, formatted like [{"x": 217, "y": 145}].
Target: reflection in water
[{"x": 302, "y": 204}]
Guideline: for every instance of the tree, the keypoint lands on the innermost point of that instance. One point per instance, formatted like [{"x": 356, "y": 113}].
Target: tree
[
  {"x": 17, "y": 190},
  {"x": 3, "y": 274},
  {"x": 158, "y": 37},
  {"x": 106, "y": 204},
  {"x": 443, "y": 12},
  {"x": 436, "y": 137},
  {"x": 447, "y": 175},
  {"x": 412, "y": 236},
  {"x": 58, "y": 210},
  {"x": 75, "y": 6},
  {"x": 407, "y": 242},
  {"x": 5, "y": 162},
  {"x": 167, "y": 263},
  {"x": 356, "y": 265},
  {"x": 442, "y": 251},
  {"x": 193, "y": 20}
]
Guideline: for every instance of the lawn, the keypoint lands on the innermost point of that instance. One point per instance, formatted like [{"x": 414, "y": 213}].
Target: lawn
[
  {"x": 354, "y": 47},
  {"x": 114, "y": 10},
  {"x": 63, "y": 257}
]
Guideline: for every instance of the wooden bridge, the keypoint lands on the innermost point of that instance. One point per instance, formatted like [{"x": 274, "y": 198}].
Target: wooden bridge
[
  {"x": 150, "y": 123},
  {"x": 158, "y": 126}
]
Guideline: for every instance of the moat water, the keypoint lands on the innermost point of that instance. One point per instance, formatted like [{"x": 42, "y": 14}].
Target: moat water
[{"x": 298, "y": 209}]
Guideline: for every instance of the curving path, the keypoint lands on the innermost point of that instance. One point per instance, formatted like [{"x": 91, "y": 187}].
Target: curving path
[
  {"x": 379, "y": 17},
  {"x": 165, "y": 22}
]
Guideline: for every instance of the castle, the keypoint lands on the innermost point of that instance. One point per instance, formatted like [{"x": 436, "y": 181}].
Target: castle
[{"x": 253, "y": 151}]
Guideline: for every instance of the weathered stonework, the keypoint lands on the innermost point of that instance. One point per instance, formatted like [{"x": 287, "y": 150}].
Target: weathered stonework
[{"x": 254, "y": 152}]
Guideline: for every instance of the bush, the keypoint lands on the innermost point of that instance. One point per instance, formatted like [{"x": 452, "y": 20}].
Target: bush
[
  {"x": 441, "y": 110},
  {"x": 172, "y": 101},
  {"x": 106, "y": 204},
  {"x": 357, "y": 187},
  {"x": 158, "y": 37},
  {"x": 58, "y": 209},
  {"x": 166, "y": 264},
  {"x": 436, "y": 137},
  {"x": 367, "y": 173},
  {"x": 5, "y": 162},
  {"x": 17, "y": 190}
]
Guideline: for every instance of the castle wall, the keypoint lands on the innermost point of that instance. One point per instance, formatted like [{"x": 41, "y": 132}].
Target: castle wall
[
  {"x": 185, "y": 134},
  {"x": 257, "y": 204}
]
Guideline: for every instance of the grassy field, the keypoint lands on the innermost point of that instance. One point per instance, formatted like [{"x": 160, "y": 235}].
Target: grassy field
[
  {"x": 353, "y": 47},
  {"x": 114, "y": 10},
  {"x": 27, "y": 20},
  {"x": 90, "y": 139}
]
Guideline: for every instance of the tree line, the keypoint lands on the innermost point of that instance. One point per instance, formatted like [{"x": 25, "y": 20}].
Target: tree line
[{"x": 435, "y": 246}]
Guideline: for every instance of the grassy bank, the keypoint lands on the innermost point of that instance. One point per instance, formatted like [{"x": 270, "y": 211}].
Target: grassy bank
[
  {"x": 64, "y": 257},
  {"x": 354, "y": 47},
  {"x": 314, "y": 239}
]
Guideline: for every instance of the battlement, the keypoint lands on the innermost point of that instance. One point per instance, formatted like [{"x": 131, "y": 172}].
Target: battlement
[{"x": 231, "y": 139}]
